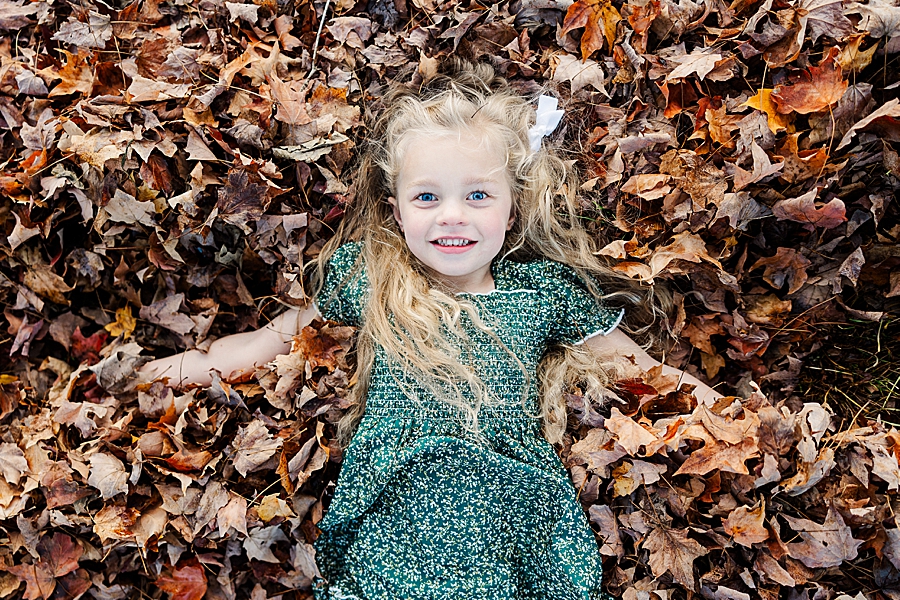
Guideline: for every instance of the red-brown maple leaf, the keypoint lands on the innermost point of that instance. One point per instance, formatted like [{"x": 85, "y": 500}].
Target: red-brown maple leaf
[
  {"x": 58, "y": 556},
  {"x": 186, "y": 581}
]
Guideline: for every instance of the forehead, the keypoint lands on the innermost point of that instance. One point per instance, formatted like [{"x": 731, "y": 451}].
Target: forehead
[{"x": 450, "y": 153}]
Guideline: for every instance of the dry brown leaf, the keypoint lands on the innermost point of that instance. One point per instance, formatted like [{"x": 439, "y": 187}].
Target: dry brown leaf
[
  {"x": 715, "y": 455},
  {"x": 825, "y": 545},
  {"x": 12, "y": 462},
  {"x": 673, "y": 551},
  {"x": 803, "y": 209},
  {"x": 629, "y": 434},
  {"x": 648, "y": 186},
  {"x": 108, "y": 475},
  {"x": 253, "y": 447},
  {"x": 187, "y": 581},
  {"x": 883, "y": 122},
  {"x": 747, "y": 525},
  {"x": 813, "y": 90},
  {"x": 787, "y": 265},
  {"x": 599, "y": 19}
]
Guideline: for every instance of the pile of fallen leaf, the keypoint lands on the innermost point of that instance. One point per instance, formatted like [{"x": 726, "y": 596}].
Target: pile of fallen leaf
[{"x": 167, "y": 167}]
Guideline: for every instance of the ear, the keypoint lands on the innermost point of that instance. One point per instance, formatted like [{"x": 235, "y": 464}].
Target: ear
[
  {"x": 512, "y": 217},
  {"x": 396, "y": 209}
]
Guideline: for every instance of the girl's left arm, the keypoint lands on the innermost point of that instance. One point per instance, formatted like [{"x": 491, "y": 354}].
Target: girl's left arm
[{"x": 617, "y": 342}]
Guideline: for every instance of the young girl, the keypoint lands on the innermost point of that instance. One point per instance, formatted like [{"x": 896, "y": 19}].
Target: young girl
[{"x": 468, "y": 264}]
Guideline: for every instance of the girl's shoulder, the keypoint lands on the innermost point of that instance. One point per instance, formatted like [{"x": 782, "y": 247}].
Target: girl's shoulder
[{"x": 348, "y": 252}]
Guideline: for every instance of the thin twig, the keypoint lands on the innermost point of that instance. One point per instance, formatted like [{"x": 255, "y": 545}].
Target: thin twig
[{"x": 315, "y": 51}]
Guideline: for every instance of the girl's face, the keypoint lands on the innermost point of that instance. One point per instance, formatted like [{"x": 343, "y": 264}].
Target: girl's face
[{"x": 454, "y": 205}]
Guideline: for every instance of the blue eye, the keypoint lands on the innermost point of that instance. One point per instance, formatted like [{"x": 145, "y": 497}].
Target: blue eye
[
  {"x": 426, "y": 197},
  {"x": 478, "y": 196}
]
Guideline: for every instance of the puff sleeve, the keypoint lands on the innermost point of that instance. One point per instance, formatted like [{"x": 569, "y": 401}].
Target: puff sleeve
[
  {"x": 341, "y": 296},
  {"x": 575, "y": 314}
]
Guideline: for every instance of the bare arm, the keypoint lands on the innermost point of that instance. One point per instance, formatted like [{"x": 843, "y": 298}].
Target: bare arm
[
  {"x": 232, "y": 354},
  {"x": 617, "y": 342}
]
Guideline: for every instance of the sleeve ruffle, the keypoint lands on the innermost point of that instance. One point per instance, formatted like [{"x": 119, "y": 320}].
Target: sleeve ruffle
[{"x": 576, "y": 314}]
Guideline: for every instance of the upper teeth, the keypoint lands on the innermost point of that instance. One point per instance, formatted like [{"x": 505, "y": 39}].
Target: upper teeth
[{"x": 454, "y": 242}]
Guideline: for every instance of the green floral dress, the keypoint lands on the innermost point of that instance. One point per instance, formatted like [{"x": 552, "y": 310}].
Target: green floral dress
[{"x": 422, "y": 510}]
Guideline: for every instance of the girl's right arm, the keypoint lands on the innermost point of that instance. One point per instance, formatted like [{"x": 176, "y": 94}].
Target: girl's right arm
[{"x": 232, "y": 354}]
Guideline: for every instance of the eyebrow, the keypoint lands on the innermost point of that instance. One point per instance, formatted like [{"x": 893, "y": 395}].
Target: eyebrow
[{"x": 470, "y": 181}]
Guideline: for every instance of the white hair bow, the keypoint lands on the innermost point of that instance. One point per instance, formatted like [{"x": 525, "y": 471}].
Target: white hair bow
[{"x": 548, "y": 117}]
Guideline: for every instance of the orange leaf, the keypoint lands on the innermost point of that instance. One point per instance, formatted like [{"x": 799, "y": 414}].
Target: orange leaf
[
  {"x": 813, "y": 90},
  {"x": 641, "y": 18},
  {"x": 35, "y": 162},
  {"x": 720, "y": 455},
  {"x": 747, "y": 526},
  {"x": 76, "y": 74},
  {"x": 599, "y": 19},
  {"x": 187, "y": 582},
  {"x": 679, "y": 95},
  {"x": 762, "y": 101},
  {"x": 318, "y": 348}
]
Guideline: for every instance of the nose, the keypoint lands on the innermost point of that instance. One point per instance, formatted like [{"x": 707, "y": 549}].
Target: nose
[{"x": 453, "y": 212}]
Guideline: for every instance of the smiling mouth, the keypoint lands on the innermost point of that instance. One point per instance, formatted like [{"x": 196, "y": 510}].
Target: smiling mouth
[{"x": 452, "y": 242}]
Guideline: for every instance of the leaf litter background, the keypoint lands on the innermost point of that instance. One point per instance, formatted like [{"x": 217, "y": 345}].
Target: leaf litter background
[{"x": 167, "y": 167}]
